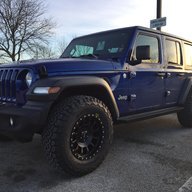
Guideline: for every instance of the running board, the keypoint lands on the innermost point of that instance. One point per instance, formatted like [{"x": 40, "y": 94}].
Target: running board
[{"x": 150, "y": 114}]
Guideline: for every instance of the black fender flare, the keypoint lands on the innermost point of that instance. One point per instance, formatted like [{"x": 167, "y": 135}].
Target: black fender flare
[{"x": 73, "y": 82}]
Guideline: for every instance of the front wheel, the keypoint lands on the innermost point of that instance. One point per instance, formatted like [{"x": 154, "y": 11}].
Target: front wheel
[{"x": 78, "y": 135}]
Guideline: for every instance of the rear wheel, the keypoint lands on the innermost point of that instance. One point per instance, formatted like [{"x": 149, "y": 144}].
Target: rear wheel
[
  {"x": 78, "y": 135},
  {"x": 185, "y": 115}
]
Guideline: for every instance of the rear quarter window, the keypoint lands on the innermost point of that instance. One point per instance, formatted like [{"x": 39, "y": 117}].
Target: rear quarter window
[
  {"x": 188, "y": 56},
  {"x": 173, "y": 49}
]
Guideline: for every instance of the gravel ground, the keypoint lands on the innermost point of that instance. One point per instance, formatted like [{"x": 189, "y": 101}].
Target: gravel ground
[{"x": 154, "y": 155}]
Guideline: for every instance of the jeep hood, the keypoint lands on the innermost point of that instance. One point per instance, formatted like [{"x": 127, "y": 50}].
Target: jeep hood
[{"x": 65, "y": 65}]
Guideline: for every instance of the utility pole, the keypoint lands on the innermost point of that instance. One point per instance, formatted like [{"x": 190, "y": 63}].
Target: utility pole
[{"x": 159, "y": 11}]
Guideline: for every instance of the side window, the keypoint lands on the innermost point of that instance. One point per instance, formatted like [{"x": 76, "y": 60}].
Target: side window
[
  {"x": 173, "y": 49},
  {"x": 188, "y": 55},
  {"x": 153, "y": 43}
]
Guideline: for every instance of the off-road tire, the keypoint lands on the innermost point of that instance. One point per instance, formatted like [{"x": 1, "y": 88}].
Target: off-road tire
[
  {"x": 65, "y": 135},
  {"x": 185, "y": 115}
]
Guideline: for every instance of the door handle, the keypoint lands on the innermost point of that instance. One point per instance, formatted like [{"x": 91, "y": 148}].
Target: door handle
[
  {"x": 180, "y": 74},
  {"x": 161, "y": 74},
  {"x": 168, "y": 75}
]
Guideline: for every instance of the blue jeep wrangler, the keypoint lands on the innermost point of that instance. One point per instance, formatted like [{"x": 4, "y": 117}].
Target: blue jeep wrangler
[{"x": 130, "y": 74}]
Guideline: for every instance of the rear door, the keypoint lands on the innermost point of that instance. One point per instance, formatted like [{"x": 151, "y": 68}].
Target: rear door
[{"x": 175, "y": 75}]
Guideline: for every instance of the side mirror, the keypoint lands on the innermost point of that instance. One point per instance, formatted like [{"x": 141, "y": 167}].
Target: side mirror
[
  {"x": 135, "y": 62},
  {"x": 143, "y": 52}
]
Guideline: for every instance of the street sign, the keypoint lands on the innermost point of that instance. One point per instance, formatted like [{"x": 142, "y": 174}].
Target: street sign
[{"x": 155, "y": 23}]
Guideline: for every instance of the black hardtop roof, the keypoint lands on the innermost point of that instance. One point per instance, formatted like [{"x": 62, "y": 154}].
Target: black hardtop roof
[
  {"x": 161, "y": 33},
  {"x": 134, "y": 28}
]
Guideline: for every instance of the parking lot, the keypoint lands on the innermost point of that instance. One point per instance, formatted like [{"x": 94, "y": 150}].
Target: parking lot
[{"x": 147, "y": 156}]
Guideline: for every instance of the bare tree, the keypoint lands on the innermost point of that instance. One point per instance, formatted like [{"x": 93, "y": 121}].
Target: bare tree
[
  {"x": 22, "y": 27},
  {"x": 44, "y": 52},
  {"x": 61, "y": 46}
]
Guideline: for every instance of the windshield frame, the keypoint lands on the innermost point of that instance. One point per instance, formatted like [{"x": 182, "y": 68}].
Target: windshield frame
[{"x": 127, "y": 32}]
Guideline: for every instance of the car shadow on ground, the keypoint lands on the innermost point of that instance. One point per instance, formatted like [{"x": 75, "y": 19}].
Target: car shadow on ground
[{"x": 24, "y": 166}]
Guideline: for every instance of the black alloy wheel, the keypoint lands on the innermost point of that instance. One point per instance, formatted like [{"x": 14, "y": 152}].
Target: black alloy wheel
[{"x": 87, "y": 137}]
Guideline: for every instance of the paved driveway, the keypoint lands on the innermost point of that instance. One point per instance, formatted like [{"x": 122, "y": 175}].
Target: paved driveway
[{"x": 147, "y": 156}]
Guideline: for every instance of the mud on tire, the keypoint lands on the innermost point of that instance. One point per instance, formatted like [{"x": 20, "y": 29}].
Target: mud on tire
[{"x": 78, "y": 135}]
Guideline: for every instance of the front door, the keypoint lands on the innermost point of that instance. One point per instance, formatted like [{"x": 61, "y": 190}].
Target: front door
[{"x": 147, "y": 79}]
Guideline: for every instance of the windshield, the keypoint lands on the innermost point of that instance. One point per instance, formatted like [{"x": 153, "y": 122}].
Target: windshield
[{"x": 102, "y": 45}]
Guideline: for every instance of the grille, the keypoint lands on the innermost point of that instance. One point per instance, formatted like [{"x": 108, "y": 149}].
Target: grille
[{"x": 8, "y": 79}]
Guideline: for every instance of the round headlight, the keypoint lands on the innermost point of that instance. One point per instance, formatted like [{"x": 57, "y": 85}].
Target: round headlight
[{"x": 29, "y": 79}]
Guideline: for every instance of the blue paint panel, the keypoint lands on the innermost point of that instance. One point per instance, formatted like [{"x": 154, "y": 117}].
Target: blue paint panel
[
  {"x": 173, "y": 85},
  {"x": 149, "y": 91},
  {"x": 122, "y": 89}
]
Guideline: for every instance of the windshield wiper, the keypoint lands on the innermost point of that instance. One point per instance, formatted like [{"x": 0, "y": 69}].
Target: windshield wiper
[
  {"x": 89, "y": 56},
  {"x": 68, "y": 57}
]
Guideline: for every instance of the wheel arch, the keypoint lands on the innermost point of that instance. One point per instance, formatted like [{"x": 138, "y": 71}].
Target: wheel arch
[
  {"x": 90, "y": 86},
  {"x": 185, "y": 91}
]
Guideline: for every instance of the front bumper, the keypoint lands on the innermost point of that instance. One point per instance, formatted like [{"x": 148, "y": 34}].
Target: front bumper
[{"x": 22, "y": 122}]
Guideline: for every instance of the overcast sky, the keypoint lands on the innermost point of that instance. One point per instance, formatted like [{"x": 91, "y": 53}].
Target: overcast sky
[{"x": 79, "y": 17}]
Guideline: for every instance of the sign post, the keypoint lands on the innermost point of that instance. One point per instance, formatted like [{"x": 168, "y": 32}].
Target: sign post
[{"x": 159, "y": 11}]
